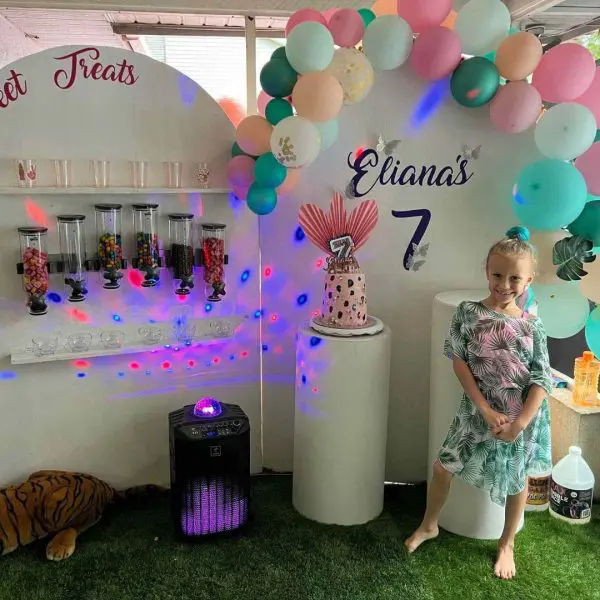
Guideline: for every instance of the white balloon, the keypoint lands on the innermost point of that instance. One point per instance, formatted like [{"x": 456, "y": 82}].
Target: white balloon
[
  {"x": 295, "y": 142},
  {"x": 387, "y": 42},
  {"x": 329, "y": 131},
  {"x": 482, "y": 25},
  {"x": 354, "y": 72},
  {"x": 565, "y": 131}
]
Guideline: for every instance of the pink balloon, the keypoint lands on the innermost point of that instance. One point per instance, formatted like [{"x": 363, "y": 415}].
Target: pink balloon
[
  {"x": 588, "y": 165},
  {"x": 516, "y": 107},
  {"x": 329, "y": 13},
  {"x": 346, "y": 27},
  {"x": 564, "y": 73},
  {"x": 262, "y": 101},
  {"x": 302, "y": 15},
  {"x": 436, "y": 53},
  {"x": 240, "y": 171},
  {"x": 423, "y": 14},
  {"x": 591, "y": 97},
  {"x": 241, "y": 192}
]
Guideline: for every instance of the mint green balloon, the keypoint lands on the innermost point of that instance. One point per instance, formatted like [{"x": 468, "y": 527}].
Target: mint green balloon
[
  {"x": 387, "y": 42},
  {"x": 549, "y": 194},
  {"x": 475, "y": 82},
  {"x": 268, "y": 171},
  {"x": 329, "y": 132},
  {"x": 309, "y": 47},
  {"x": 277, "y": 110},
  {"x": 562, "y": 308}
]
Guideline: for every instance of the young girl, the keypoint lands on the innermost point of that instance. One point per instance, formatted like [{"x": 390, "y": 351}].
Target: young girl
[{"x": 501, "y": 433}]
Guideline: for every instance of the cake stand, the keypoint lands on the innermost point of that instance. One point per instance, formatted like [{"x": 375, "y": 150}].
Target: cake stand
[{"x": 372, "y": 326}]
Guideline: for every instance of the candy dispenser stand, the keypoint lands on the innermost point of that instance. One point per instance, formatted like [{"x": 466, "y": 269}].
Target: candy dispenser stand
[
  {"x": 71, "y": 235},
  {"x": 110, "y": 250},
  {"x": 145, "y": 224},
  {"x": 213, "y": 260},
  {"x": 181, "y": 240},
  {"x": 34, "y": 255}
]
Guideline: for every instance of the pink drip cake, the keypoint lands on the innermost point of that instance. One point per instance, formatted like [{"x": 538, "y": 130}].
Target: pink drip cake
[{"x": 344, "y": 304}]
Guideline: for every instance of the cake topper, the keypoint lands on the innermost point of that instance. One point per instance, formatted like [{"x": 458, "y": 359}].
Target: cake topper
[{"x": 335, "y": 233}]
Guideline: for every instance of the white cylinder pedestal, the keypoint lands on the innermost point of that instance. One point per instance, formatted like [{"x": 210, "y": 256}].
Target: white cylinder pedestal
[
  {"x": 340, "y": 428},
  {"x": 469, "y": 512}
]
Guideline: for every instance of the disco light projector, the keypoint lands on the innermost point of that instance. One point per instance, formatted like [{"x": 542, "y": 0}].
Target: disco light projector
[{"x": 210, "y": 468}]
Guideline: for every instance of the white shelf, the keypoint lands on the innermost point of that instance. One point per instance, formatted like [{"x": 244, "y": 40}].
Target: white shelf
[
  {"x": 74, "y": 191},
  {"x": 207, "y": 331}
]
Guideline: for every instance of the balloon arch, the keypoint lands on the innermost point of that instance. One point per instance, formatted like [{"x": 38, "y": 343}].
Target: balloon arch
[{"x": 329, "y": 61}]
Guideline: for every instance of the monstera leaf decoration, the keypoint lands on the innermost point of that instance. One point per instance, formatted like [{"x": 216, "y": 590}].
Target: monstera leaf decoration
[{"x": 569, "y": 254}]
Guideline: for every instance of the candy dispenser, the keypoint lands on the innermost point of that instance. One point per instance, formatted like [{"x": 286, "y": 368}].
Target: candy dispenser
[
  {"x": 71, "y": 235},
  {"x": 145, "y": 224},
  {"x": 181, "y": 239},
  {"x": 110, "y": 252},
  {"x": 35, "y": 267},
  {"x": 213, "y": 260}
]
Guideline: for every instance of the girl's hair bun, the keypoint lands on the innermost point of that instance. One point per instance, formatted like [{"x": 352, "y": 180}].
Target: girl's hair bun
[{"x": 518, "y": 233}]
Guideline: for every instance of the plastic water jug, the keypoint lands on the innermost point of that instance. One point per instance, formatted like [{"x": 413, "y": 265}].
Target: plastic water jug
[
  {"x": 572, "y": 488},
  {"x": 587, "y": 372}
]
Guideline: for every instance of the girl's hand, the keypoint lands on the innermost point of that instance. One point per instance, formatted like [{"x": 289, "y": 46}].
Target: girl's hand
[
  {"x": 507, "y": 432},
  {"x": 494, "y": 419}
]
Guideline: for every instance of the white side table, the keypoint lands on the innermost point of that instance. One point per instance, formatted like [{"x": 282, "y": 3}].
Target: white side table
[{"x": 340, "y": 429}]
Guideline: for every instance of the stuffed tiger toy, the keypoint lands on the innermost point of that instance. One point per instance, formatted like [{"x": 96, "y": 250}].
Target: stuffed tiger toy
[{"x": 55, "y": 502}]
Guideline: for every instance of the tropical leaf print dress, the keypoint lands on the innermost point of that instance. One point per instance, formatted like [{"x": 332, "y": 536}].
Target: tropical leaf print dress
[{"x": 506, "y": 355}]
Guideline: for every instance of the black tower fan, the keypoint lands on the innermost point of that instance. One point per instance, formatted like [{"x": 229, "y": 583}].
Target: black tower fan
[{"x": 210, "y": 468}]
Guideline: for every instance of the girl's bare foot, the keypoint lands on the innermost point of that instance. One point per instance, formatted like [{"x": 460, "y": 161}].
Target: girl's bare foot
[
  {"x": 505, "y": 561},
  {"x": 422, "y": 534}
]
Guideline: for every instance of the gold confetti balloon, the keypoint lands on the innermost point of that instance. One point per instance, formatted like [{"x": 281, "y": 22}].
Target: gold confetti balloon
[{"x": 354, "y": 72}]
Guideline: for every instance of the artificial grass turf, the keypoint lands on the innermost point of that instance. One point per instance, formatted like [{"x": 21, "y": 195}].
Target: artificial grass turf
[{"x": 133, "y": 554}]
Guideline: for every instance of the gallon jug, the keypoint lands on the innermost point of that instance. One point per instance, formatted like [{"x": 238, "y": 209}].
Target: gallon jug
[
  {"x": 587, "y": 371},
  {"x": 538, "y": 492},
  {"x": 572, "y": 489}
]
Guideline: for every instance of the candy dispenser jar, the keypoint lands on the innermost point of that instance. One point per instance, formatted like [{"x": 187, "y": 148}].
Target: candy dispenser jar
[
  {"x": 181, "y": 239},
  {"x": 145, "y": 224},
  {"x": 71, "y": 236},
  {"x": 213, "y": 258},
  {"x": 34, "y": 255},
  {"x": 110, "y": 252}
]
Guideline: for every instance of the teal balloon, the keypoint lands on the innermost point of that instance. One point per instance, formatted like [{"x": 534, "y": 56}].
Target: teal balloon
[
  {"x": 279, "y": 53},
  {"x": 277, "y": 110},
  {"x": 329, "y": 132},
  {"x": 268, "y": 171},
  {"x": 549, "y": 194},
  {"x": 592, "y": 331},
  {"x": 597, "y": 135},
  {"x": 309, "y": 47},
  {"x": 475, "y": 82},
  {"x": 587, "y": 224},
  {"x": 367, "y": 15},
  {"x": 261, "y": 200},
  {"x": 277, "y": 78},
  {"x": 562, "y": 307},
  {"x": 236, "y": 150}
]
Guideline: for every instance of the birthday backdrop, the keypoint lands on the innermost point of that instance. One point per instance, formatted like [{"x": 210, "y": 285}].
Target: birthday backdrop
[{"x": 456, "y": 142}]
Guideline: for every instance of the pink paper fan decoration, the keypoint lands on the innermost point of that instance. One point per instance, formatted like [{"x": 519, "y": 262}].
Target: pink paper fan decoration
[{"x": 321, "y": 228}]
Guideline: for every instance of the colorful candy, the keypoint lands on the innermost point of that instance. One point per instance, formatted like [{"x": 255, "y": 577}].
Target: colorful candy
[
  {"x": 110, "y": 251},
  {"x": 214, "y": 260},
  {"x": 147, "y": 250},
  {"x": 35, "y": 271}
]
